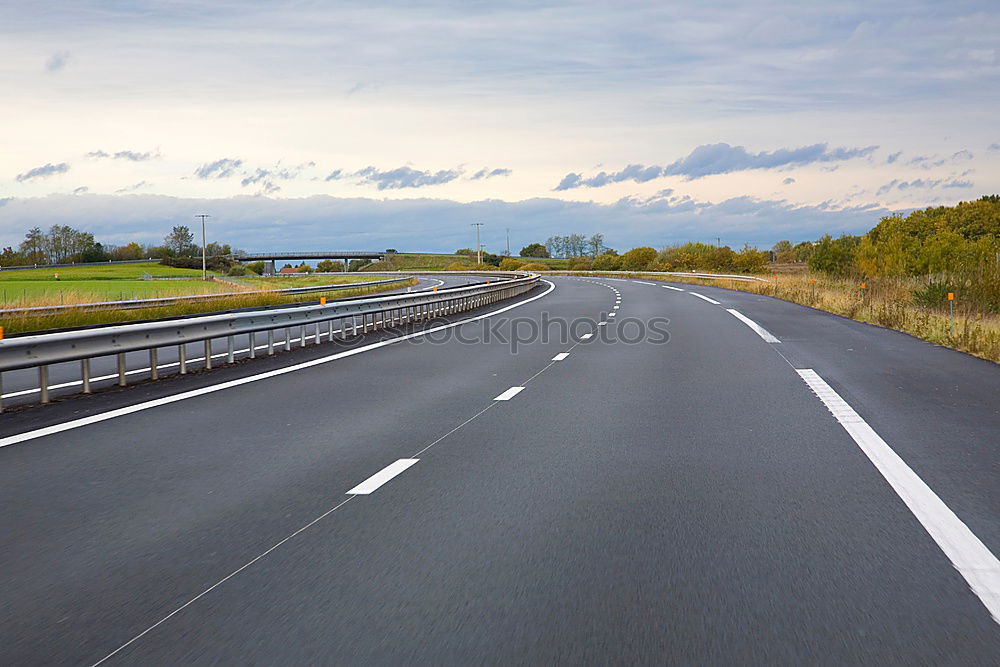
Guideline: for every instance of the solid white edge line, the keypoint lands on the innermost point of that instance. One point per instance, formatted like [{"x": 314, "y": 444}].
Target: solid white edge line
[
  {"x": 761, "y": 331},
  {"x": 642, "y": 283},
  {"x": 560, "y": 356},
  {"x": 586, "y": 336},
  {"x": 676, "y": 289},
  {"x": 381, "y": 477},
  {"x": 166, "y": 400},
  {"x": 973, "y": 560},
  {"x": 509, "y": 394},
  {"x": 702, "y": 296}
]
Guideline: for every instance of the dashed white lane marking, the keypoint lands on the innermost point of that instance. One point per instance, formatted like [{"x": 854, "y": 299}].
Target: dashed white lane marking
[
  {"x": 616, "y": 307},
  {"x": 166, "y": 400},
  {"x": 586, "y": 336},
  {"x": 676, "y": 289},
  {"x": 761, "y": 331},
  {"x": 612, "y": 314},
  {"x": 561, "y": 355},
  {"x": 968, "y": 554},
  {"x": 601, "y": 324},
  {"x": 702, "y": 296},
  {"x": 509, "y": 394},
  {"x": 381, "y": 477},
  {"x": 642, "y": 283}
]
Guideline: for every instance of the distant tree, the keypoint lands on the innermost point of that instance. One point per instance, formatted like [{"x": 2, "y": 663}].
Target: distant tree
[
  {"x": 357, "y": 264},
  {"x": 834, "y": 256},
  {"x": 596, "y": 245},
  {"x": 464, "y": 251},
  {"x": 580, "y": 264},
  {"x": 510, "y": 264},
  {"x": 256, "y": 267},
  {"x": 638, "y": 259},
  {"x": 534, "y": 250},
  {"x": 129, "y": 251},
  {"x": 330, "y": 266},
  {"x": 784, "y": 252},
  {"x": 803, "y": 251},
  {"x": 217, "y": 249},
  {"x": 304, "y": 268},
  {"x": 95, "y": 253},
  {"x": 180, "y": 241},
  {"x": 607, "y": 262},
  {"x": 33, "y": 246}
]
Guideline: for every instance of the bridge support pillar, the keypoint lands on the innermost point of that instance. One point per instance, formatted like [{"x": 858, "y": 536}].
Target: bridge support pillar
[{"x": 269, "y": 268}]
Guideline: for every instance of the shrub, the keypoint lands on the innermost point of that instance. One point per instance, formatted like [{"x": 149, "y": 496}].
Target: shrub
[
  {"x": 580, "y": 264},
  {"x": 932, "y": 295},
  {"x": 532, "y": 266},
  {"x": 638, "y": 259},
  {"x": 607, "y": 262},
  {"x": 509, "y": 264}
]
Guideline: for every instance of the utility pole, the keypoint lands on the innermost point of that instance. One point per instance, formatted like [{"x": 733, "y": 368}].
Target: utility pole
[
  {"x": 204, "y": 264},
  {"x": 479, "y": 248}
]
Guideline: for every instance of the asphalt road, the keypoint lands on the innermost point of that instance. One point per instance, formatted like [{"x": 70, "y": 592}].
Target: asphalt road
[{"x": 640, "y": 500}]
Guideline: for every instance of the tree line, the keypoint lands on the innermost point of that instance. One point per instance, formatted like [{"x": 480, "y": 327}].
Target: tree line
[{"x": 63, "y": 244}]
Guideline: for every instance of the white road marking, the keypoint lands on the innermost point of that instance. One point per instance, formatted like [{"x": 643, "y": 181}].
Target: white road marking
[
  {"x": 676, "y": 289},
  {"x": 166, "y": 400},
  {"x": 381, "y": 477},
  {"x": 612, "y": 314},
  {"x": 509, "y": 394},
  {"x": 561, "y": 355},
  {"x": 586, "y": 336},
  {"x": 968, "y": 554},
  {"x": 642, "y": 283},
  {"x": 601, "y": 324},
  {"x": 761, "y": 331},
  {"x": 702, "y": 296}
]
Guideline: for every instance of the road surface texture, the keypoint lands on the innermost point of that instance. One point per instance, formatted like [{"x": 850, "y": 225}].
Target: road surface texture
[{"x": 715, "y": 498}]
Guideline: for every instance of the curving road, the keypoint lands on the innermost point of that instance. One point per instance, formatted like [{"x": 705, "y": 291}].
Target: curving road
[{"x": 775, "y": 485}]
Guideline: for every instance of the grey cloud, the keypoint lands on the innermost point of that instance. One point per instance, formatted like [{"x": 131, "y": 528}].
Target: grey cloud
[
  {"x": 43, "y": 172},
  {"x": 131, "y": 156},
  {"x": 222, "y": 168},
  {"x": 892, "y": 158},
  {"x": 81, "y": 190},
  {"x": 721, "y": 158},
  {"x": 133, "y": 188},
  {"x": 486, "y": 172},
  {"x": 788, "y": 181},
  {"x": 962, "y": 155},
  {"x": 922, "y": 184},
  {"x": 399, "y": 178},
  {"x": 994, "y": 147},
  {"x": 959, "y": 184},
  {"x": 57, "y": 61}
]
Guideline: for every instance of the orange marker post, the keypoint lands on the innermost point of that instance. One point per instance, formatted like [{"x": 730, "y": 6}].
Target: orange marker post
[
  {"x": 434, "y": 289},
  {"x": 951, "y": 310},
  {"x": 322, "y": 301},
  {"x": 1, "y": 333}
]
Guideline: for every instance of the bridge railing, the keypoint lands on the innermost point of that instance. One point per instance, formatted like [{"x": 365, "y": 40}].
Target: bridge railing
[{"x": 331, "y": 322}]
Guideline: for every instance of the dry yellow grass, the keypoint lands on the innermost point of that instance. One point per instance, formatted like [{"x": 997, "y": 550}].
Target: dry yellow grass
[{"x": 886, "y": 303}]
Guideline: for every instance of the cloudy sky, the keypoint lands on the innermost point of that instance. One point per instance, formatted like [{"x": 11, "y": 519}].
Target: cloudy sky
[{"x": 372, "y": 125}]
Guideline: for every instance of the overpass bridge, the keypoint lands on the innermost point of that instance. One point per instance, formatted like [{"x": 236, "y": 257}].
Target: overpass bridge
[{"x": 345, "y": 255}]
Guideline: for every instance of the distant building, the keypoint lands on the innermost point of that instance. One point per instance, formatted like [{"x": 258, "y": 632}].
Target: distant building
[{"x": 288, "y": 269}]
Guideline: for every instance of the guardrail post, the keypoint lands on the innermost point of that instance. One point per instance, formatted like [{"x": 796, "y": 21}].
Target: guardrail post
[
  {"x": 182, "y": 358},
  {"x": 43, "y": 383},
  {"x": 85, "y": 375},
  {"x": 270, "y": 342},
  {"x": 154, "y": 366},
  {"x": 230, "y": 350},
  {"x": 253, "y": 344},
  {"x": 121, "y": 369},
  {"x": 302, "y": 336},
  {"x": 208, "y": 354},
  {"x": 288, "y": 339},
  {"x": 317, "y": 341}
]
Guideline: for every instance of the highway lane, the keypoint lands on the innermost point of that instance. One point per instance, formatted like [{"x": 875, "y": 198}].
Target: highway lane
[
  {"x": 20, "y": 387},
  {"x": 635, "y": 502}
]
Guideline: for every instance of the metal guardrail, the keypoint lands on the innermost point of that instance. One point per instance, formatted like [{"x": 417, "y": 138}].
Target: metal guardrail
[
  {"x": 41, "y": 350},
  {"x": 170, "y": 300}
]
